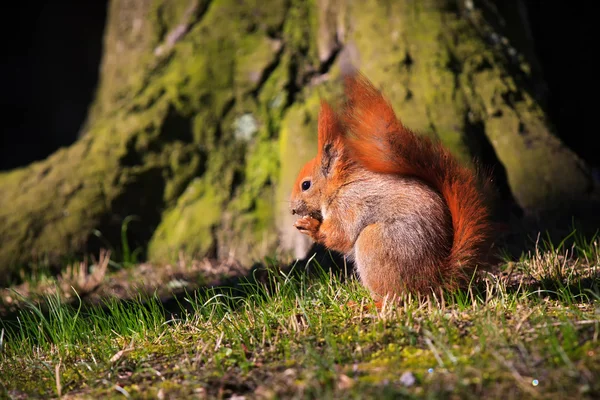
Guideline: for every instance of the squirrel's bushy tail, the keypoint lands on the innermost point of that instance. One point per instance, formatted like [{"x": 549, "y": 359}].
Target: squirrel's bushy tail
[{"x": 378, "y": 140}]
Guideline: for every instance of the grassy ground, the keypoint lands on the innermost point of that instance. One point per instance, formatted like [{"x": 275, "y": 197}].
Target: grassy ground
[{"x": 528, "y": 331}]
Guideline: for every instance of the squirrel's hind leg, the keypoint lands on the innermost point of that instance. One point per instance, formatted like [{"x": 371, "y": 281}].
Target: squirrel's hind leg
[{"x": 391, "y": 262}]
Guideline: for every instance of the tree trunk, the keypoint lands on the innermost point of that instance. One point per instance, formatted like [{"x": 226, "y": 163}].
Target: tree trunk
[{"x": 207, "y": 109}]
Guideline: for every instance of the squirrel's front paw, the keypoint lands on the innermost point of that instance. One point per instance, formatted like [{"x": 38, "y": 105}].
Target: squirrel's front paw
[{"x": 308, "y": 225}]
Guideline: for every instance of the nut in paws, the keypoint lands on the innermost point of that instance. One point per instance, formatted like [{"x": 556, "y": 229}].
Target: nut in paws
[{"x": 308, "y": 224}]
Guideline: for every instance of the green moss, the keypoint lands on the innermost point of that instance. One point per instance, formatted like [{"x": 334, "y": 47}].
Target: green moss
[
  {"x": 440, "y": 76},
  {"x": 162, "y": 119},
  {"x": 541, "y": 171},
  {"x": 224, "y": 68},
  {"x": 159, "y": 121},
  {"x": 298, "y": 140},
  {"x": 252, "y": 55},
  {"x": 300, "y": 31},
  {"x": 403, "y": 49},
  {"x": 259, "y": 79}
]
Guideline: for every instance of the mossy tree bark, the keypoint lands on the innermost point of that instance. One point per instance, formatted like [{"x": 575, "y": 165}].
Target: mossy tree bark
[
  {"x": 450, "y": 73},
  {"x": 207, "y": 109}
]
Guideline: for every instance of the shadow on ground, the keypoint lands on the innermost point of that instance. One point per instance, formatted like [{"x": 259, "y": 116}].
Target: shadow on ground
[{"x": 175, "y": 286}]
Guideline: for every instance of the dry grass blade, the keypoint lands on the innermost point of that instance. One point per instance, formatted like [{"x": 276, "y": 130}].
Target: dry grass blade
[{"x": 83, "y": 278}]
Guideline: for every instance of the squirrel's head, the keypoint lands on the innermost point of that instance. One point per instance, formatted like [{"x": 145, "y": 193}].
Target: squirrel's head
[
  {"x": 314, "y": 179},
  {"x": 307, "y": 191}
]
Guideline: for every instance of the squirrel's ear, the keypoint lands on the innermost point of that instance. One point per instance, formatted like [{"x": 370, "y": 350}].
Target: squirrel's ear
[
  {"x": 329, "y": 127},
  {"x": 330, "y": 138}
]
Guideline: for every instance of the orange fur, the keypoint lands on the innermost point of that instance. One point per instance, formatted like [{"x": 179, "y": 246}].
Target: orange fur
[
  {"x": 329, "y": 134},
  {"x": 408, "y": 213},
  {"x": 380, "y": 143},
  {"x": 329, "y": 129},
  {"x": 327, "y": 171}
]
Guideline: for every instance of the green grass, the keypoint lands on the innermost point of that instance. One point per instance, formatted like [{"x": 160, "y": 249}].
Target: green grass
[
  {"x": 528, "y": 332},
  {"x": 123, "y": 257}
]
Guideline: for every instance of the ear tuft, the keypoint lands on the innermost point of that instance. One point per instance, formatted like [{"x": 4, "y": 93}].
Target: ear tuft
[
  {"x": 329, "y": 127},
  {"x": 330, "y": 137}
]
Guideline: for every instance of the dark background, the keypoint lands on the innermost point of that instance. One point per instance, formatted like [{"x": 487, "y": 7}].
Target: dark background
[
  {"x": 49, "y": 74},
  {"x": 53, "y": 51}
]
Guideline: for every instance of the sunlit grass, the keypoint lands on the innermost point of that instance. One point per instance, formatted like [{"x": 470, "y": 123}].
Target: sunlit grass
[{"x": 531, "y": 334}]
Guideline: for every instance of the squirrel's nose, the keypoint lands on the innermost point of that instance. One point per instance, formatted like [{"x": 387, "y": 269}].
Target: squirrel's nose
[{"x": 298, "y": 208}]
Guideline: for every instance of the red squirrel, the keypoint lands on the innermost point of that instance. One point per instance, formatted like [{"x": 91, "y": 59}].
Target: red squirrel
[{"x": 400, "y": 205}]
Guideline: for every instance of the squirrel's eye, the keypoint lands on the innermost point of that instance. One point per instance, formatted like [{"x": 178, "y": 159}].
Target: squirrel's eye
[{"x": 305, "y": 185}]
